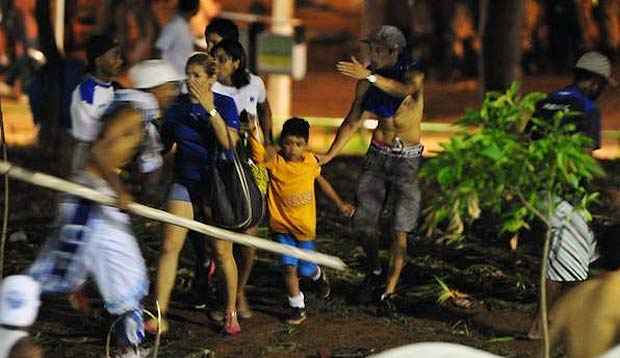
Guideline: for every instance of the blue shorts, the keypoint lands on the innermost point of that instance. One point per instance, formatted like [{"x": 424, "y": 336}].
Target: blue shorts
[
  {"x": 184, "y": 192},
  {"x": 305, "y": 268}
]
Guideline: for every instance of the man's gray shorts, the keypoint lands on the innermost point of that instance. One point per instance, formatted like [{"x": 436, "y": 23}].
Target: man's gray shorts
[{"x": 393, "y": 175}]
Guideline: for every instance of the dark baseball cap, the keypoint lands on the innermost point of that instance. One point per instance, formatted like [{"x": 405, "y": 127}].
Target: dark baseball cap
[
  {"x": 388, "y": 36},
  {"x": 98, "y": 45}
]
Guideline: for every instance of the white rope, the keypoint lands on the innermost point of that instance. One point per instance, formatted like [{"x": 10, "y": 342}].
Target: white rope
[{"x": 58, "y": 184}]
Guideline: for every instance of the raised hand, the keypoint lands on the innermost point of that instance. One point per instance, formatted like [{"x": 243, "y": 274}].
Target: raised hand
[
  {"x": 201, "y": 90},
  {"x": 353, "y": 69}
]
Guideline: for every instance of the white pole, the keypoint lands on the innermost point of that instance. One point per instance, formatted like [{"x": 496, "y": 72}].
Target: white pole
[
  {"x": 280, "y": 86},
  {"x": 59, "y": 25},
  {"x": 58, "y": 184}
]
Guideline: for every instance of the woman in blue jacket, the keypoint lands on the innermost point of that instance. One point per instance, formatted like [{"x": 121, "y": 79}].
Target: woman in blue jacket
[{"x": 197, "y": 123}]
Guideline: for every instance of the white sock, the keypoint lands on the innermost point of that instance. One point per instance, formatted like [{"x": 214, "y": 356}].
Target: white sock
[
  {"x": 297, "y": 301},
  {"x": 317, "y": 275}
]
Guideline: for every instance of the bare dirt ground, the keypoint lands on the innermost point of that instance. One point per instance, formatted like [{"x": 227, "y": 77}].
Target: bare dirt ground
[{"x": 502, "y": 282}]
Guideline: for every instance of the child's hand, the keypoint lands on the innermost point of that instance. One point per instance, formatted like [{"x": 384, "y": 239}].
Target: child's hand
[
  {"x": 253, "y": 125},
  {"x": 272, "y": 150},
  {"x": 347, "y": 209}
]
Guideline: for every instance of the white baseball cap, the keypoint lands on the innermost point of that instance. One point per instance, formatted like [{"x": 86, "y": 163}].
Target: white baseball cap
[
  {"x": 19, "y": 300},
  {"x": 152, "y": 73},
  {"x": 596, "y": 63}
]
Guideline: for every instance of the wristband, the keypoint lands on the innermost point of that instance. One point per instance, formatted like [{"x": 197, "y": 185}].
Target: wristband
[{"x": 371, "y": 78}]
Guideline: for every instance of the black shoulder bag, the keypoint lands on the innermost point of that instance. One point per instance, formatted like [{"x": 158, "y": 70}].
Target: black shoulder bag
[{"x": 236, "y": 201}]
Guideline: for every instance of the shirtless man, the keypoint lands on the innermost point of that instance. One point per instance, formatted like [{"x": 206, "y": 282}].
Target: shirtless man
[
  {"x": 389, "y": 91},
  {"x": 96, "y": 240}
]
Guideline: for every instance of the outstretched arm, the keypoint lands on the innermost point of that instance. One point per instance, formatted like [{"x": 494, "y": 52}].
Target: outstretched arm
[
  {"x": 352, "y": 122},
  {"x": 260, "y": 153},
  {"x": 412, "y": 84},
  {"x": 344, "y": 207}
]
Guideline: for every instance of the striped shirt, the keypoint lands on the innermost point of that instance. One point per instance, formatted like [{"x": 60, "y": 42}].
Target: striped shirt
[{"x": 573, "y": 247}]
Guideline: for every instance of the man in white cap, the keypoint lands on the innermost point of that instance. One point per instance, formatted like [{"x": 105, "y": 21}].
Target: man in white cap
[
  {"x": 573, "y": 246},
  {"x": 19, "y": 306},
  {"x": 389, "y": 91}
]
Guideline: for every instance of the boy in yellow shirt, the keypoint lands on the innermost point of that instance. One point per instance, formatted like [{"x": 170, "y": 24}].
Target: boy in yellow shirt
[{"x": 292, "y": 205}]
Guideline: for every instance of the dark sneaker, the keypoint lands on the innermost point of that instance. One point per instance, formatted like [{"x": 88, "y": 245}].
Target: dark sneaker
[
  {"x": 387, "y": 307},
  {"x": 367, "y": 291},
  {"x": 323, "y": 285},
  {"x": 296, "y": 315}
]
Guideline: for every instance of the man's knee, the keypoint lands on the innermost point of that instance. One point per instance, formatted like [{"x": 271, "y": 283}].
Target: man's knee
[
  {"x": 399, "y": 244},
  {"x": 364, "y": 223}
]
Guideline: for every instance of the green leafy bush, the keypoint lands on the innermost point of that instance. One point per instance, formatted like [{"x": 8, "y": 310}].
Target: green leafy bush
[{"x": 495, "y": 168}]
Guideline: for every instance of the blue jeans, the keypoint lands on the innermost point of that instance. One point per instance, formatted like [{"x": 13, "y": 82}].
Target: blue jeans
[{"x": 306, "y": 269}]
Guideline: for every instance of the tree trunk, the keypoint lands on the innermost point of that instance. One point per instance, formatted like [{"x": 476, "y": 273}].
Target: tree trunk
[
  {"x": 500, "y": 26},
  {"x": 543, "y": 294}
]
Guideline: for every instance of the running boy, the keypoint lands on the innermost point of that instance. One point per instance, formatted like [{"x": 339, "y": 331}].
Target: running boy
[{"x": 292, "y": 205}]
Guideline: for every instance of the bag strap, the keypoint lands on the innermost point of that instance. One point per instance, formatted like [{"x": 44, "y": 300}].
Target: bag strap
[{"x": 242, "y": 178}]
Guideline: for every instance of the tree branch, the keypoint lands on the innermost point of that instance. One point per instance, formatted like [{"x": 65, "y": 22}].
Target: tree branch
[{"x": 533, "y": 209}]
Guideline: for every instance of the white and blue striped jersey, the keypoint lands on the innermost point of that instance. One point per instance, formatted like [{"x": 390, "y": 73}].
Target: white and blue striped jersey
[{"x": 89, "y": 101}]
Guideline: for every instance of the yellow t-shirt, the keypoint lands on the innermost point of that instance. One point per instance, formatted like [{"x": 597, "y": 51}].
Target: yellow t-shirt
[{"x": 290, "y": 195}]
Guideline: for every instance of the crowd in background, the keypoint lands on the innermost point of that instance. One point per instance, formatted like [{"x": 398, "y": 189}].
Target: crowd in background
[
  {"x": 554, "y": 32},
  {"x": 135, "y": 23}
]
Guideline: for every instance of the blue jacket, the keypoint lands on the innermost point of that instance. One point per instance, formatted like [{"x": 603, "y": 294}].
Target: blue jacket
[
  {"x": 571, "y": 98},
  {"x": 188, "y": 125}
]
